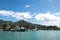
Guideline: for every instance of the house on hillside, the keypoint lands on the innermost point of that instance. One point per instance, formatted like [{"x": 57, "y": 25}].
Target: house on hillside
[
  {"x": 6, "y": 27},
  {"x": 35, "y": 28},
  {"x": 17, "y": 27},
  {"x": 22, "y": 28}
]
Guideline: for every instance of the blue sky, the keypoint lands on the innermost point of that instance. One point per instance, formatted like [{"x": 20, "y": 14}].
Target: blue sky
[
  {"x": 35, "y": 5},
  {"x": 45, "y": 12}
]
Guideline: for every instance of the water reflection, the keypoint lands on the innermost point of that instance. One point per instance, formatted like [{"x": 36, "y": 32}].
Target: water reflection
[{"x": 31, "y": 35}]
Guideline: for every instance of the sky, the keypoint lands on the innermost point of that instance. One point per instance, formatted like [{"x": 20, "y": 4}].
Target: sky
[{"x": 44, "y": 12}]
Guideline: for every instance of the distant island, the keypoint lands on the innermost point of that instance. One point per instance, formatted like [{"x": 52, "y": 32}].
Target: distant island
[{"x": 24, "y": 26}]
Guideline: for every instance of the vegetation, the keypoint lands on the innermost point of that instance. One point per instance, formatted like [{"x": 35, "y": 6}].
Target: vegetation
[{"x": 6, "y": 25}]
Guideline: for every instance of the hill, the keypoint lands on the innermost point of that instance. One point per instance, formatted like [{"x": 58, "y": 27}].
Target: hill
[{"x": 27, "y": 25}]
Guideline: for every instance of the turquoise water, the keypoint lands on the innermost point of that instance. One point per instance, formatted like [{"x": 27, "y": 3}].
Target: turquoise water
[{"x": 30, "y": 35}]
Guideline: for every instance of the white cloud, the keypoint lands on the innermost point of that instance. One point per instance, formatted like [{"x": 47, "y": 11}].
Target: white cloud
[
  {"x": 17, "y": 15},
  {"x": 48, "y": 18},
  {"x": 6, "y": 13},
  {"x": 22, "y": 15},
  {"x": 27, "y": 6},
  {"x": 44, "y": 18}
]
